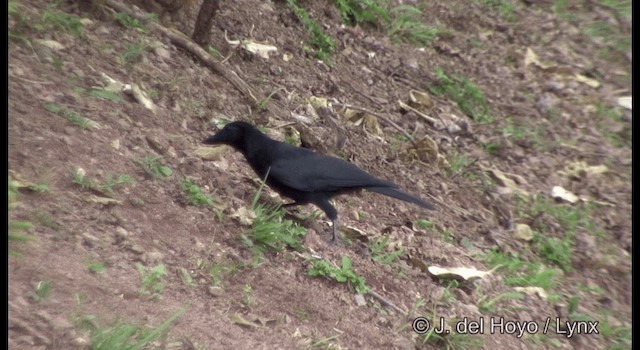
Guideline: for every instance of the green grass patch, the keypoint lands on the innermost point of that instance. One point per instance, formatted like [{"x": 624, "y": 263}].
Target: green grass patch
[
  {"x": 153, "y": 166},
  {"x": 363, "y": 11},
  {"x": 106, "y": 95},
  {"x": 380, "y": 254},
  {"x": 126, "y": 336},
  {"x": 408, "y": 26},
  {"x": 270, "y": 230},
  {"x": 42, "y": 291},
  {"x": 151, "y": 280},
  {"x": 505, "y": 8},
  {"x": 73, "y": 117},
  {"x": 54, "y": 19},
  {"x": 133, "y": 52},
  {"x": 129, "y": 21},
  {"x": 342, "y": 274},
  {"x": 96, "y": 267},
  {"x": 194, "y": 194},
  {"x": 522, "y": 273},
  {"x": 469, "y": 98}
]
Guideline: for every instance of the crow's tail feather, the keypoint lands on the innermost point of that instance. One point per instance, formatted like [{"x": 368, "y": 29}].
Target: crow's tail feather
[{"x": 396, "y": 193}]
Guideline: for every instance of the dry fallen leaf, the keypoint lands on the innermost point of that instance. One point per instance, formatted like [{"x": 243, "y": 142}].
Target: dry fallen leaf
[
  {"x": 587, "y": 81},
  {"x": 580, "y": 169},
  {"x": 531, "y": 57},
  {"x": 466, "y": 273},
  {"x": 558, "y": 192},
  {"x": 239, "y": 320},
  {"x": 101, "y": 200},
  {"x": 625, "y": 102},
  {"x": 244, "y": 216},
  {"x": 353, "y": 233},
  {"x": 211, "y": 153},
  {"x": 317, "y": 102},
  {"x": 533, "y": 291},
  {"x": 253, "y": 47},
  {"x": 503, "y": 180},
  {"x": 420, "y": 99}
]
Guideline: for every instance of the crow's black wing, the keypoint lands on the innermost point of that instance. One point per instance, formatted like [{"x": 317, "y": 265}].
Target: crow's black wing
[{"x": 312, "y": 172}]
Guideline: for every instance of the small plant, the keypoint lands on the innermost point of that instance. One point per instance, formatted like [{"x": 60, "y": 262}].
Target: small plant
[
  {"x": 363, "y": 11},
  {"x": 608, "y": 117},
  {"x": 80, "y": 179},
  {"x": 129, "y": 21},
  {"x": 492, "y": 148},
  {"x": 556, "y": 251},
  {"x": 247, "y": 296},
  {"x": 194, "y": 194},
  {"x": 341, "y": 274},
  {"x": 14, "y": 225},
  {"x": 134, "y": 52},
  {"x": 521, "y": 273},
  {"x": 74, "y": 118},
  {"x": 217, "y": 271},
  {"x": 457, "y": 163},
  {"x": 213, "y": 52},
  {"x": 322, "y": 45},
  {"x": 467, "y": 95},
  {"x": 151, "y": 280},
  {"x": 110, "y": 183},
  {"x": 152, "y": 166},
  {"x": 42, "y": 290},
  {"x": 262, "y": 104},
  {"x": 379, "y": 254},
  {"x": 96, "y": 267},
  {"x": 424, "y": 224},
  {"x": 130, "y": 337},
  {"x": 407, "y": 26},
  {"x": 504, "y": 7}
]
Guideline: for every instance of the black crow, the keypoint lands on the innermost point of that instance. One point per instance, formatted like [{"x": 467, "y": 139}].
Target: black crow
[{"x": 301, "y": 174}]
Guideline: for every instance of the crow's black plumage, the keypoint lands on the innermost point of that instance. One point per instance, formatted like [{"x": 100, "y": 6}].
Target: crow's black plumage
[{"x": 301, "y": 174}]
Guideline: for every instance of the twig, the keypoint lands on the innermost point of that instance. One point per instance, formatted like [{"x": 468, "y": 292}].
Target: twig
[{"x": 387, "y": 302}]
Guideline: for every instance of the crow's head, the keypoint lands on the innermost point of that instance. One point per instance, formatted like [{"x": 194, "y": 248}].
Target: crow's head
[{"x": 233, "y": 134}]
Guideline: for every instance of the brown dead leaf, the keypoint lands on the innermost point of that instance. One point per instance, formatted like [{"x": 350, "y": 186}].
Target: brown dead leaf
[
  {"x": 420, "y": 99},
  {"x": 239, "y": 320},
  {"x": 503, "y": 180},
  {"x": 531, "y": 57},
  {"x": 427, "y": 149},
  {"x": 587, "y": 81}
]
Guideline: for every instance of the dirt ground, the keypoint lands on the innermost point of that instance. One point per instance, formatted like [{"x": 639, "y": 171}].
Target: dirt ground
[{"x": 548, "y": 88}]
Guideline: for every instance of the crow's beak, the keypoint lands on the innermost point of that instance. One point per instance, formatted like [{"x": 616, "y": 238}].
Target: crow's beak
[{"x": 211, "y": 140}]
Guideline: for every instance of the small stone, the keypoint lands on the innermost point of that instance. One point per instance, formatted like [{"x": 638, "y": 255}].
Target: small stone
[
  {"x": 153, "y": 257},
  {"x": 215, "y": 291},
  {"x": 90, "y": 240},
  {"x": 160, "y": 51},
  {"x": 360, "y": 301}
]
